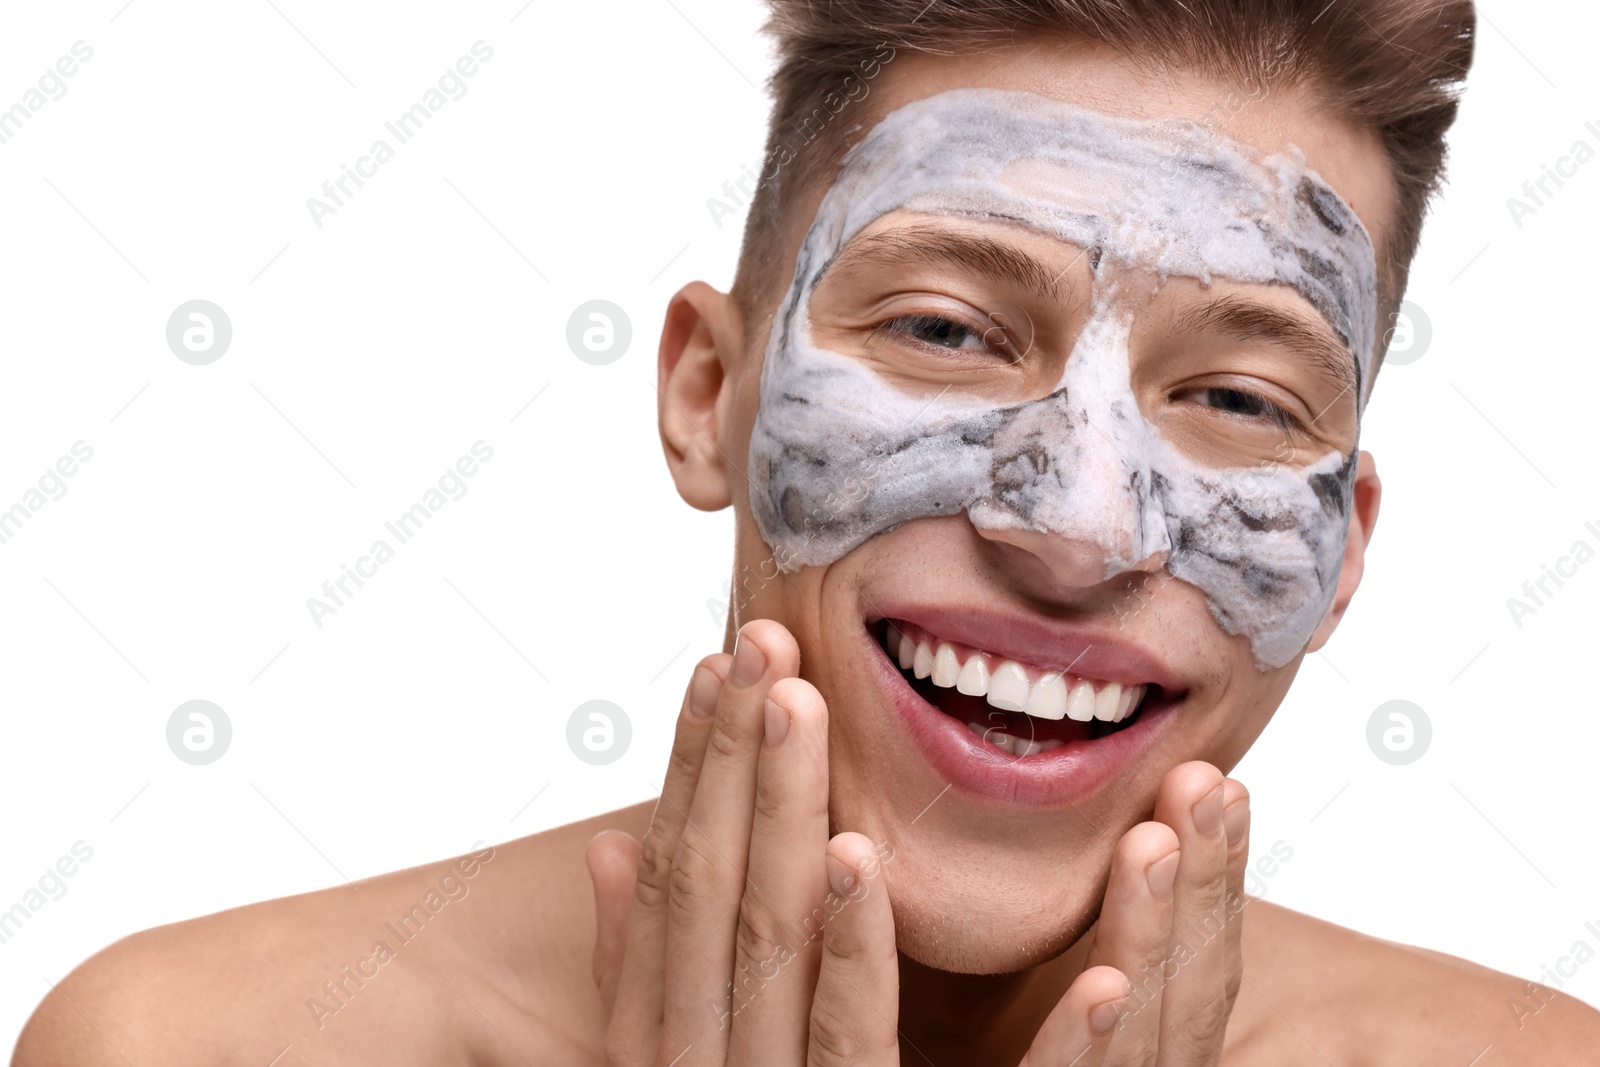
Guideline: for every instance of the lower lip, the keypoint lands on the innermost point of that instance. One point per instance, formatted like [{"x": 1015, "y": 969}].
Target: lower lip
[{"x": 1066, "y": 775}]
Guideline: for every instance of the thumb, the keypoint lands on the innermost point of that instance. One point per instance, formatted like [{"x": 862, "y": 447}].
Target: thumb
[{"x": 613, "y": 861}]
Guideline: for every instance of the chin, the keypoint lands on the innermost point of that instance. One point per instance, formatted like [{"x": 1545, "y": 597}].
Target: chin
[{"x": 976, "y": 920}]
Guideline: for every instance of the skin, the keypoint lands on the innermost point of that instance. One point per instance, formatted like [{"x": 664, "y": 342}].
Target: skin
[{"x": 986, "y": 926}]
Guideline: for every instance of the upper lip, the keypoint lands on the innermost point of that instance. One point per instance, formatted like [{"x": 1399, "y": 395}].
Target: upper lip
[{"x": 1083, "y": 650}]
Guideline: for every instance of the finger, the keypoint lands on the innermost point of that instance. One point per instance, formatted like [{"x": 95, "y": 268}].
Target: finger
[
  {"x": 1133, "y": 933},
  {"x": 613, "y": 859},
  {"x": 1194, "y": 1003},
  {"x": 778, "y": 946},
  {"x": 1236, "y": 822},
  {"x": 856, "y": 1008},
  {"x": 1081, "y": 1027},
  {"x": 708, "y": 872},
  {"x": 635, "y": 1030}
]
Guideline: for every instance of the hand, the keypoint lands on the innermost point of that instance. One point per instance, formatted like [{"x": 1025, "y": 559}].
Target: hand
[
  {"x": 1164, "y": 966},
  {"x": 737, "y": 932}
]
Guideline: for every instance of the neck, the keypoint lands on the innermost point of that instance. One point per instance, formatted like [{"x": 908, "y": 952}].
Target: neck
[{"x": 980, "y": 1018}]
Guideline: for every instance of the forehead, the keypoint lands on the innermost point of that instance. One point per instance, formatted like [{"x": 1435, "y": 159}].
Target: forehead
[{"x": 1257, "y": 112}]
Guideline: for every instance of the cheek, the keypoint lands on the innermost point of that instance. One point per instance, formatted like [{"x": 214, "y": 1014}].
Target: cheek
[
  {"x": 1243, "y": 710},
  {"x": 1265, "y": 545}
]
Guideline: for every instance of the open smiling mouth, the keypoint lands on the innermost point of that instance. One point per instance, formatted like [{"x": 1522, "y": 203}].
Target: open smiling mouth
[
  {"x": 1062, "y": 711},
  {"x": 1017, "y": 708}
]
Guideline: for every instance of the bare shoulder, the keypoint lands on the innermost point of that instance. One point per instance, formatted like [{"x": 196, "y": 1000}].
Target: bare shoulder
[
  {"x": 1315, "y": 992},
  {"x": 482, "y": 957}
]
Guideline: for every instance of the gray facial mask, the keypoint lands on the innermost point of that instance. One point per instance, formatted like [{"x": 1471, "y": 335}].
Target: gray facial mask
[{"x": 838, "y": 453}]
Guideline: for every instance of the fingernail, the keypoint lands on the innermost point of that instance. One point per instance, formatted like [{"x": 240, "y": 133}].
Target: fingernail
[
  {"x": 1237, "y": 820},
  {"x": 777, "y": 722},
  {"x": 1161, "y": 874},
  {"x": 1103, "y": 1017},
  {"x": 1207, "y": 814},
  {"x": 749, "y": 662},
  {"x": 841, "y": 876},
  {"x": 703, "y": 690}
]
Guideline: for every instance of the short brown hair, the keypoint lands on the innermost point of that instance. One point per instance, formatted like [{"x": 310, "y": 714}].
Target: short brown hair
[{"x": 1393, "y": 66}]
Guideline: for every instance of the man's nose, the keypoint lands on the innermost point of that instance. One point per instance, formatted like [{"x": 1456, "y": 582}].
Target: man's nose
[
  {"x": 1075, "y": 562},
  {"x": 1087, "y": 509},
  {"x": 1074, "y": 486}
]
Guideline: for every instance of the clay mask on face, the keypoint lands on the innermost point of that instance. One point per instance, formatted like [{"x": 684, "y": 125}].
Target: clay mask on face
[{"x": 838, "y": 453}]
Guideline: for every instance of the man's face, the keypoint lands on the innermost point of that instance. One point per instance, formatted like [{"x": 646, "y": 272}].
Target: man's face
[{"x": 1002, "y": 841}]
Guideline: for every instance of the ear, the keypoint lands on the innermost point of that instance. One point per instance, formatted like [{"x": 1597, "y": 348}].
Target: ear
[
  {"x": 701, "y": 341},
  {"x": 1363, "y": 517}
]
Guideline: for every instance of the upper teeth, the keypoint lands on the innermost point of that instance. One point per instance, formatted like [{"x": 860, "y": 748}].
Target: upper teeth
[{"x": 1007, "y": 684}]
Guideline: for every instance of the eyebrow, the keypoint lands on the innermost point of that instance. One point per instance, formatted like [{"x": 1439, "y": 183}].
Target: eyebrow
[
  {"x": 938, "y": 246},
  {"x": 1245, "y": 320}
]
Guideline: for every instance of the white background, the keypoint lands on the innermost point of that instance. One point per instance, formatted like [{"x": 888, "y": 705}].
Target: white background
[{"x": 430, "y": 312}]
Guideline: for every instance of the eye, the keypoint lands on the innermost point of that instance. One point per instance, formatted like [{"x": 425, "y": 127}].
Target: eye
[
  {"x": 1246, "y": 405},
  {"x": 1008, "y": 333},
  {"x": 935, "y": 330}
]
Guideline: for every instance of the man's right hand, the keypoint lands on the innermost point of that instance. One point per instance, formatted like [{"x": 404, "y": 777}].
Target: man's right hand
[{"x": 737, "y": 882}]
